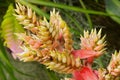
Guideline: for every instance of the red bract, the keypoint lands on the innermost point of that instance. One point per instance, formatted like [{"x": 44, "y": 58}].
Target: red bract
[
  {"x": 85, "y": 73},
  {"x": 83, "y": 54}
]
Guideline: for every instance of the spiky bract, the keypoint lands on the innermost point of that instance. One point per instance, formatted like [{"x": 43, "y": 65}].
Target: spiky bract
[
  {"x": 114, "y": 66},
  {"x": 93, "y": 41},
  {"x": 26, "y": 17}
]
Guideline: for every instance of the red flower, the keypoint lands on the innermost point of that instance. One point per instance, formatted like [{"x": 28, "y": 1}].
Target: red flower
[{"x": 85, "y": 73}]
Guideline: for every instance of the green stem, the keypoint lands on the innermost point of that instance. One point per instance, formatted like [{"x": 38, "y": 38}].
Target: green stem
[
  {"x": 74, "y": 21},
  {"x": 2, "y": 74},
  {"x": 40, "y": 2},
  {"x": 100, "y": 62},
  {"x": 86, "y": 14}
]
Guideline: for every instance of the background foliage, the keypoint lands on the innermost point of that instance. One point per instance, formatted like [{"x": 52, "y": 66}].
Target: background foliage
[{"x": 80, "y": 15}]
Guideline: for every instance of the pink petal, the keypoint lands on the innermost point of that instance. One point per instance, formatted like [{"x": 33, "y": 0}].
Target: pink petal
[
  {"x": 85, "y": 73},
  {"x": 84, "y": 53},
  {"x": 14, "y": 46}
]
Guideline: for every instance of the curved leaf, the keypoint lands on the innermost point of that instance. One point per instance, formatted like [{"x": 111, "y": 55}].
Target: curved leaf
[
  {"x": 9, "y": 27},
  {"x": 62, "y": 6},
  {"x": 113, "y": 7}
]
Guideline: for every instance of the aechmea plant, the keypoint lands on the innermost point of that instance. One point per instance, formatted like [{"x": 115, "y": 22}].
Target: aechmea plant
[
  {"x": 114, "y": 67},
  {"x": 92, "y": 45},
  {"x": 93, "y": 41},
  {"x": 50, "y": 43},
  {"x": 112, "y": 72}
]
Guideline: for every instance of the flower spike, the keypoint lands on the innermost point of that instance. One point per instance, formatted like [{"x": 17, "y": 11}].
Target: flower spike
[
  {"x": 26, "y": 17},
  {"x": 49, "y": 43},
  {"x": 63, "y": 62},
  {"x": 93, "y": 41},
  {"x": 114, "y": 66}
]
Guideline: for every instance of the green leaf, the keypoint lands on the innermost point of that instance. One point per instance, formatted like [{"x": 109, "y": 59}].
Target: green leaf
[
  {"x": 113, "y": 7},
  {"x": 72, "y": 19},
  {"x": 10, "y": 26},
  {"x": 6, "y": 67},
  {"x": 2, "y": 74},
  {"x": 63, "y": 6},
  {"x": 87, "y": 15}
]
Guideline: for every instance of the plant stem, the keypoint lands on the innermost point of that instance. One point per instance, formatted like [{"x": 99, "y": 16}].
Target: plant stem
[
  {"x": 58, "y": 5},
  {"x": 87, "y": 15}
]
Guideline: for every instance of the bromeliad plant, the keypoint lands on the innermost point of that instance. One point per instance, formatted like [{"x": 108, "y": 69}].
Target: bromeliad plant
[{"x": 50, "y": 43}]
